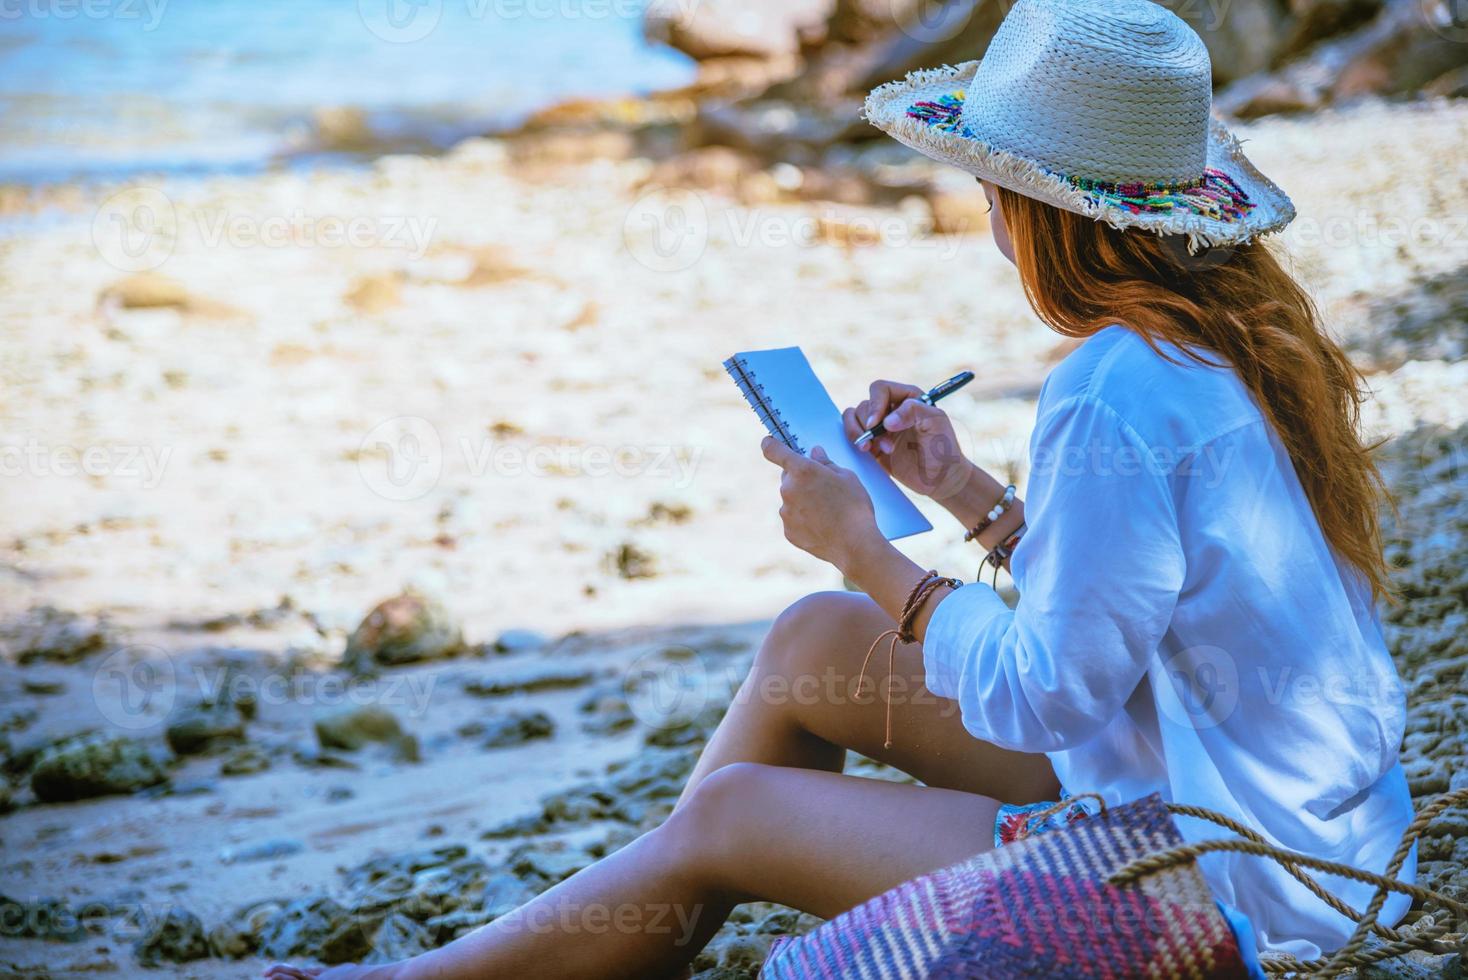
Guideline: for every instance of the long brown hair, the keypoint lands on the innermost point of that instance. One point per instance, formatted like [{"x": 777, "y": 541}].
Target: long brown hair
[{"x": 1239, "y": 304}]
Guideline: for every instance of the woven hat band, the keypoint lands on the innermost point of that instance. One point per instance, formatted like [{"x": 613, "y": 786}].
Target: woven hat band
[{"x": 1119, "y": 99}]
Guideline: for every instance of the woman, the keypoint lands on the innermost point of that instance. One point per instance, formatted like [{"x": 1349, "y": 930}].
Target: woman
[{"x": 1197, "y": 560}]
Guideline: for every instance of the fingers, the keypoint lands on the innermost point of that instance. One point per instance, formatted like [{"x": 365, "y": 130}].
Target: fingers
[
  {"x": 850, "y": 424},
  {"x": 818, "y": 454},
  {"x": 778, "y": 453},
  {"x": 909, "y": 414},
  {"x": 883, "y": 397}
]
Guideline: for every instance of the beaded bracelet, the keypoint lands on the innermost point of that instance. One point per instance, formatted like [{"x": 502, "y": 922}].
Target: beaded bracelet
[{"x": 998, "y": 510}]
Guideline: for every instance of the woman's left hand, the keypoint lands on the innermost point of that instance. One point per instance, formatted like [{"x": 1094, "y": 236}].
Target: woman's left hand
[{"x": 826, "y": 510}]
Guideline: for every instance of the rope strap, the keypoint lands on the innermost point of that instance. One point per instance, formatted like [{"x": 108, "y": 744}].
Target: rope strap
[
  {"x": 1423, "y": 937},
  {"x": 926, "y": 586}
]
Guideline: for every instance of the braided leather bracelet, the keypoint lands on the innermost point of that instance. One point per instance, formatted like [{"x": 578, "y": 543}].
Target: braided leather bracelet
[{"x": 926, "y": 586}]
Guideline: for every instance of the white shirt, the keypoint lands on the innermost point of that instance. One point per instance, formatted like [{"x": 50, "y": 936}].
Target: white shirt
[{"x": 1183, "y": 628}]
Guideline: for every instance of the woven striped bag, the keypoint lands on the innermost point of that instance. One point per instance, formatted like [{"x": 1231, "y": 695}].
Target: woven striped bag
[{"x": 1041, "y": 906}]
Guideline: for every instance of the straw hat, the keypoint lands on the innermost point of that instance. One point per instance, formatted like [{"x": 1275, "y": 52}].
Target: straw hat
[{"x": 1101, "y": 107}]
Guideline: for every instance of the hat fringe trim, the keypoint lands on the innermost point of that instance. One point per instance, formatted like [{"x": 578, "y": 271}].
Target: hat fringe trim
[{"x": 1026, "y": 177}]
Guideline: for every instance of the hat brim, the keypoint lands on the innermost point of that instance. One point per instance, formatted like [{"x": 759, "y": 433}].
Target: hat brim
[{"x": 1233, "y": 204}]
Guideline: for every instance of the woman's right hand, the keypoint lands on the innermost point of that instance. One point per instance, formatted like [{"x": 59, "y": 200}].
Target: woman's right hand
[{"x": 920, "y": 448}]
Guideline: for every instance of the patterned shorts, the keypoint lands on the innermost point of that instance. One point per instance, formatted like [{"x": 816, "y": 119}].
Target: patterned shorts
[{"x": 1013, "y": 821}]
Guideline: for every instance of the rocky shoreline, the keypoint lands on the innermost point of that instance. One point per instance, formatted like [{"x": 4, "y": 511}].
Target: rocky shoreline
[{"x": 222, "y": 744}]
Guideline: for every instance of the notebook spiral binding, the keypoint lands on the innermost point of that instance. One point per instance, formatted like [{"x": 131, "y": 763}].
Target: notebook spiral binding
[{"x": 753, "y": 393}]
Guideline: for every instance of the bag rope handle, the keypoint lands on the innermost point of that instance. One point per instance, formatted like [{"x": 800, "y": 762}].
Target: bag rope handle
[
  {"x": 1351, "y": 953},
  {"x": 1316, "y": 889}
]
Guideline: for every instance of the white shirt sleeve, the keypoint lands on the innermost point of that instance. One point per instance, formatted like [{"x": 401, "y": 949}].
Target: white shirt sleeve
[{"x": 1098, "y": 571}]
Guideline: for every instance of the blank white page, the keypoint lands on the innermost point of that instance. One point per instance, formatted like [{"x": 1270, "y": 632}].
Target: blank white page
[{"x": 790, "y": 386}]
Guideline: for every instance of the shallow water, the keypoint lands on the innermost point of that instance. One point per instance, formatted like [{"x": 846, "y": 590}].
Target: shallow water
[{"x": 104, "y": 88}]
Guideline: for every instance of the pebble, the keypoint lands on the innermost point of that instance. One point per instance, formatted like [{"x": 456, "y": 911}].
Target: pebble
[
  {"x": 95, "y": 766},
  {"x": 45, "y": 633},
  {"x": 519, "y": 641},
  {"x": 353, "y": 728},
  {"x": 407, "y": 628},
  {"x": 264, "y": 851},
  {"x": 201, "y": 727},
  {"x": 178, "y": 937}
]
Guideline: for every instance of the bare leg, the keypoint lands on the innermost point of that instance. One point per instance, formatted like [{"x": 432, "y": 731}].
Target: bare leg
[
  {"x": 816, "y": 841},
  {"x": 800, "y": 706},
  {"x": 756, "y": 821}
]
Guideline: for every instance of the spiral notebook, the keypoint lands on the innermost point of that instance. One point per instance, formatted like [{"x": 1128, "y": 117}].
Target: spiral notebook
[{"x": 794, "y": 407}]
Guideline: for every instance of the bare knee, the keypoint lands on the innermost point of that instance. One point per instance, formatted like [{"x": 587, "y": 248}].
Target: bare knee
[
  {"x": 804, "y": 636},
  {"x": 709, "y": 831}
]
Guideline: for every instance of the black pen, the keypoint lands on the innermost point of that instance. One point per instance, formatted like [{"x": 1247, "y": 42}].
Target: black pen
[{"x": 940, "y": 391}]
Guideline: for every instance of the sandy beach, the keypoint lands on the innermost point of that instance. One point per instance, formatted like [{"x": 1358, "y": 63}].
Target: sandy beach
[{"x": 239, "y": 412}]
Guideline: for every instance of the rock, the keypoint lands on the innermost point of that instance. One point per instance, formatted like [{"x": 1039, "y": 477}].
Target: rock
[
  {"x": 374, "y": 294},
  {"x": 48, "y": 918},
  {"x": 536, "y": 679},
  {"x": 245, "y": 760},
  {"x": 1395, "y": 52},
  {"x": 353, "y": 728},
  {"x": 344, "y": 129},
  {"x": 268, "y": 850},
  {"x": 1424, "y": 324},
  {"x": 406, "y": 749},
  {"x": 315, "y": 927},
  {"x": 43, "y": 688},
  {"x": 94, "y": 766},
  {"x": 546, "y": 863},
  {"x": 200, "y": 727},
  {"x": 515, "y": 728},
  {"x": 148, "y": 291},
  {"x": 404, "y": 629},
  {"x": 629, "y": 561},
  {"x": 548, "y": 151},
  {"x": 608, "y": 713},
  {"x": 524, "y": 826},
  {"x": 741, "y": 952},
  {"x": 241, "y": 934},
  {"x": 855, "y": 21},
  {"x": 53, "y": 635},
  {"x": 176, "y": 938},
  {"x": 693, "y": 729},
  {"x": 519, "y": 641},
  {"x": 398, "y": 938},
  {"x": 724, "y": 28},
  {"x": 780, "y": 130},
  {"x": 229, "y": 943}
]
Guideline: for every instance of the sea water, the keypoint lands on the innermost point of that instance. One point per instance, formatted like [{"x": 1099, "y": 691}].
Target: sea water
[{"x": 105, "y": 88}]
